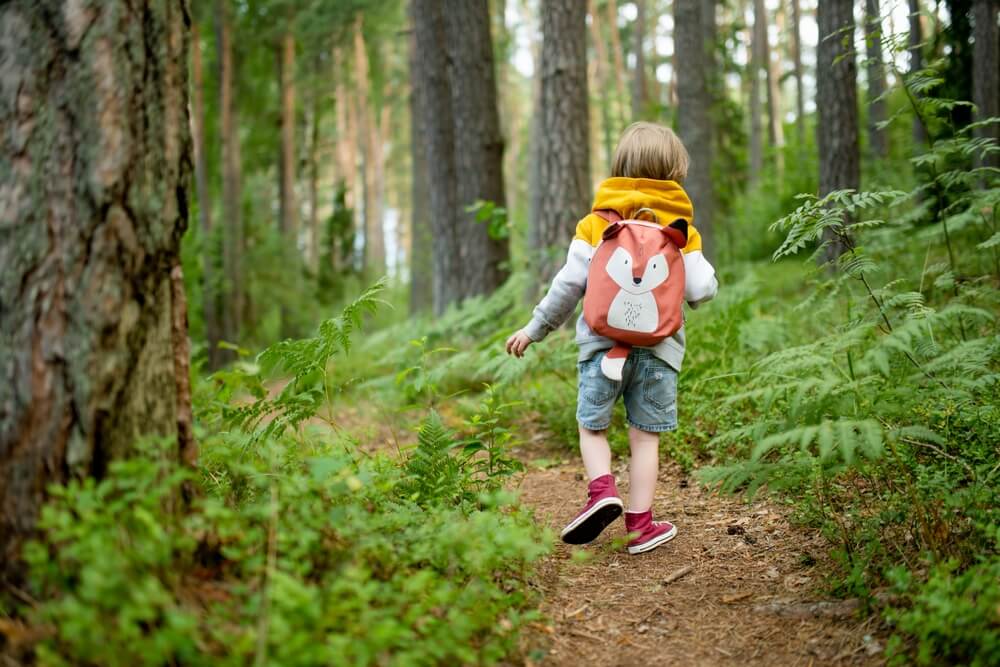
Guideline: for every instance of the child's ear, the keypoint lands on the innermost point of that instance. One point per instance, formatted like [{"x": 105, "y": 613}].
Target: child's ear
[
  {"x": 678, "y": 232},
  {"x": 612, "y": 231}
]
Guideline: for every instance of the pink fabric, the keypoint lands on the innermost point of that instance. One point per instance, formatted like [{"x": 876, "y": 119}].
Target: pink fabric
[
  {"x": 642, "y": 523},
  {"x": 600, "y": 488}
]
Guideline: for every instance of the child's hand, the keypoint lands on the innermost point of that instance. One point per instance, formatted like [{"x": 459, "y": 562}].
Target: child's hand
[{"x": 518, "y": 343}]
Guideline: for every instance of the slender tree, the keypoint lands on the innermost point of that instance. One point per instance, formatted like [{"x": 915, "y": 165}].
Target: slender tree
[
  {"x": 374, "y": 234},
  {"x": 775, "y": 127},
  {"x": 209, "y": 282},
  {"x": 837, "y": 101},
  {"x": 800, "y": 97},
  {"x": 564, "y": 179},
  {"x": 232, "y": 260},
  {"x": 758, "y": 59},
  {"x": 477, "y": 141},
  {"x": 94, "y": 200},
  {"x": 617, "y": 52},
  {"x": 694, "y": 29},
  {"x": 916, "y": 47},
  {"x": 288, "y": 211},
  {"x": 421, "y": 241},
  {"x": 986, "y": 71},
  {"x": 877, "y": 138},
  {"x": 603, "y": 83},
  {"x": 313, "y": 159},
  {"x": 437, "y": 132},
  {"x": 639, "y": 88}
]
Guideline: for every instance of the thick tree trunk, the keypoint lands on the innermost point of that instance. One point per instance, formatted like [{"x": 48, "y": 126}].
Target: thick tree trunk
[
  {"x": 986, "y": 71},
  {"x": 434, "y": 114},
  {"x": 93, "y": 203},
  {"x": 639, "y": 94},
  {"x": 478, "y": 142},
  {"x": 564, "y": 178},
  {"x": 209, "y": 282},
  {"x": 374, "y": 257},
  {"x": 694, "y": 25},
  {"x": 916, "y": 46},
  {"x": 758, "y": 53},
  {"x": 232, "y": 251},
  {"x": 800, "y": 96},
  {"x": 878, "y": 143},
  {"x": 421, "y": 242},
  {"x": 837, "y": 102}
]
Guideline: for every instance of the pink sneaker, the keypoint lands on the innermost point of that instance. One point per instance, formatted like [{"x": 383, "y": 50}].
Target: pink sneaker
[
  {"x": 651, "y": 533},
  {"x": 603, "y": 507}
]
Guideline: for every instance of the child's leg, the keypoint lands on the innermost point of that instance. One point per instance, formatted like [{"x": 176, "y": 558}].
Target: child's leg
[
  {"x": 642, "y": 469},
  {"x": 596, "y": 452}
]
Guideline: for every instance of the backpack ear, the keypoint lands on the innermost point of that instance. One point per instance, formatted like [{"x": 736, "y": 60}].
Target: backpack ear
[
  {"x": 612, "y": 231},
  {"x": 677, "y": 231}
]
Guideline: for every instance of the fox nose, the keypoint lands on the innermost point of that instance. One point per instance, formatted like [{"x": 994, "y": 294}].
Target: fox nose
[{"x": 636, "y": 280}]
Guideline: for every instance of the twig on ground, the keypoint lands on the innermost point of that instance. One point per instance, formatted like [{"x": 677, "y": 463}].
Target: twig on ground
[{"x": 677, "y": 574}]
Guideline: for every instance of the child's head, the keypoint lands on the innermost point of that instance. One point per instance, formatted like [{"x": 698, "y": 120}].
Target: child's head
[{"x": 648, "y": 150}]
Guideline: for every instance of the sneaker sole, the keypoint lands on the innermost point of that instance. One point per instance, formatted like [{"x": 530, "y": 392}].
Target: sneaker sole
[
  {"x": 587, "y": 527},
  {"x": 653, "y": 543}
]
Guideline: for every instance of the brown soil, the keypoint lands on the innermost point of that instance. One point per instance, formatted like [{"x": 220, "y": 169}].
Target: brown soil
[{"x": 737, "y": 586}]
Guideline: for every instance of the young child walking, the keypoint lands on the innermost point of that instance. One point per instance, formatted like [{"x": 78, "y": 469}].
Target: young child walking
[{"x": 649, "y": 165}]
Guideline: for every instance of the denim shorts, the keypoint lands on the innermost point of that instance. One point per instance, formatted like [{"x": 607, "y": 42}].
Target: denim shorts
[{"x": 648, "y": 385}]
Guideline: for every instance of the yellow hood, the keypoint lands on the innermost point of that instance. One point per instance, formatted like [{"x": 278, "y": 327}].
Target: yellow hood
[{"x": 627, "y": 195}]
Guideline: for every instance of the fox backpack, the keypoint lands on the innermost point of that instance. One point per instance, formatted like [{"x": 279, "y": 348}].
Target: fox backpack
[{"x": 635, "y": 285}]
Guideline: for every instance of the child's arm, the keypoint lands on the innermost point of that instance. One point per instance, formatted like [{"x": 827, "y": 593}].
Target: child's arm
[
  {"x": 700, "y": 283},
  {"x": 559, "y": 302}
]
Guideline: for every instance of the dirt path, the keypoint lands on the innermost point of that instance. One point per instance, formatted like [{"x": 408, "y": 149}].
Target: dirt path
[{"x": 730, "y": 560}]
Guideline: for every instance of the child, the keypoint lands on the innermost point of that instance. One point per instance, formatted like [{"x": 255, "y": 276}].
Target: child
[{"x": 649, "y": 164}]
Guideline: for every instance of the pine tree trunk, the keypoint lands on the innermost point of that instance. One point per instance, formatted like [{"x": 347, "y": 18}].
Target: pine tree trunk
[
  {"x": 564, "y": 178},
  {"x": 694, "y": 26},
  {"x": 621, "y": 76},
  {"x": 837, "y": 102},
  {"x": 312, "y": 253},
  {"x": 232, "y": 252},
  {"x": 93, "y": 203},
  {"x": 437, "y": 133},
  {"x": 209, "y": 282},
  {"x": 603, "y": 87},
  {"x": 374, "y": 257},
  {"x": 639, "y": 96},
  {"x": 877, "y": 138},
  {"x": 915, "y": 42},
  {"x": 478, "y": 143},
  {"x": 758, "y": 52},
  {"x": 986, "y": 71},
  {"x": 421, "y": 242},
  {"x": 800, "y": 97},
  {"x": 776, "y": 130},
  {"x": 288, "y": 207}
]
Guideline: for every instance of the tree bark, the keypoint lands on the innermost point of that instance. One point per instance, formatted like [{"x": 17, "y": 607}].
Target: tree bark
[
  {"x": 639, "y": 94},
  {"x": 603, "y": 87},
  {"x": 232, "y": 252},
  {"x": 93, "y": 204},
  {"x": 564, "y": 178},
  {"x": 916, "y": 46},
  {"x": 986, "y": 72},
  {"x": 434, "y": 112},
  {"x": 878, "y": 142},
  {"x": 837, "y": 102},
  {"x": 758, "y": 53},
  {"x": 209, "y": 282},
  {"x": 478, "y": 143},
  {"x": 776, "y": 130},
  {"x": 374, "y": 257},
  {"x": 621, "y": 75},
  {"x": 694, "y": 26},
  {"x": 312, "y": 254},
  {"x": 800, "y": 97},
  {"x": 288, "y": 207},
  {"x": 421, "y": 242}
]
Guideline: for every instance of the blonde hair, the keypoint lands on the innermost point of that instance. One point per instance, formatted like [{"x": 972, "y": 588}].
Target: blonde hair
[{"x": 648, "y": 150}]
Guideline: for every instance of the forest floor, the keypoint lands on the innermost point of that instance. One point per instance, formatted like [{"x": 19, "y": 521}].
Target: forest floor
[{"x": 739, "y": 585}]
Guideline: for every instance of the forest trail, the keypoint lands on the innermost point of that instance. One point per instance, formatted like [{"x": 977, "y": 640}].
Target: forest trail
[{"x": 728, "y": 560}]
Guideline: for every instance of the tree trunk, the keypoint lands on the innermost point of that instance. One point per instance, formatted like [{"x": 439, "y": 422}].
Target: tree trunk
[
  {"x": 564, "y": 177},
  {"x": 621, "y": 75},
  {"x": 421, "y": 242},
  {"x": 312, "y": 253},
  {"x": 374, "y": 257},
  {"x": 288, "y": 211},
  {"x": 209, "y": 283},
  {"x": 836, "y": 102},
  {"x": 93, "y": 203},
  {"x": 986, "y": 72},
  {"x": 478, "y": 143},
  {"x": 639, "y": 96},
  {"x": 758, "y": 53},
  {"x": 776, "y": 130},
  {"x": 877, "y": 139},
  {"x": 603, "y": 87},
  {"x": 232, "y": 260},
  {"x": 800, "y": 97},
  {"x": 694, "y": 26},
  {"x": 434, "y": 115},
  {"x": 916, "y": 46}
]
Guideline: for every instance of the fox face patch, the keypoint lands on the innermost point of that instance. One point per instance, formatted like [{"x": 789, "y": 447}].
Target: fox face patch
[{"x": 622, "y": 269}]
